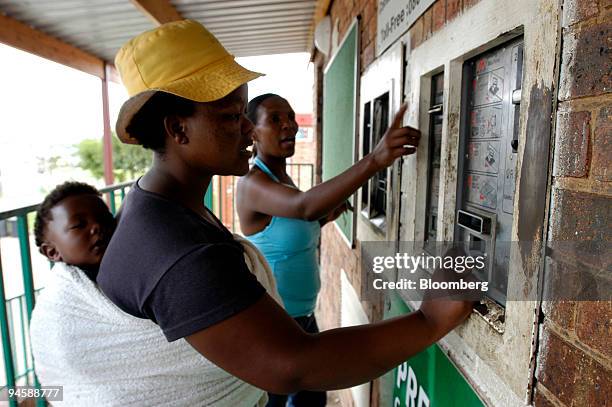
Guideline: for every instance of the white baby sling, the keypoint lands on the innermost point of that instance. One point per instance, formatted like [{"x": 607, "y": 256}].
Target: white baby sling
[{"x": 105, "y": 357}]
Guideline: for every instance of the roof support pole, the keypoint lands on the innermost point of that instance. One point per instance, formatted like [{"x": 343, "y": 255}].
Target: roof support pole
[{"x": 107, "y": 138}]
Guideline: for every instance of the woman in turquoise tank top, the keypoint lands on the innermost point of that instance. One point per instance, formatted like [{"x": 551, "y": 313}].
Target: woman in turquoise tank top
[{"x": 285, "y": 223}]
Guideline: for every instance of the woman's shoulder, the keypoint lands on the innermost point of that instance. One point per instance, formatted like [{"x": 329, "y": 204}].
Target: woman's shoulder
[
  {"x": 255, "y": 174},
  {"x": 253, "y": 181}
]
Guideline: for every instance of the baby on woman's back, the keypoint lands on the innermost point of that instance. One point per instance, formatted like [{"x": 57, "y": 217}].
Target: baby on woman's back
[{"x": 74, "y": 225}]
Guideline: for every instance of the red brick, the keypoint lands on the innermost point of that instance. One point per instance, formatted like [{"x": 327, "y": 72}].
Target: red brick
[
  {"x": 335, "y": 255},
  {"x": 572, "y": 144},
  {"x": 427, "y": 23},
  {"x": 601, "y": 166},
  {"x": 540, "y": 400},
  {"x": 369, "y": 12},
  {"x": 572, "y": 376},
  {"x": 333, "y": 13},
  {"x": 566, "y": 281},
  {"x": 581, "y": 217},
  {"x": 439, "y": 15},
  {"x": 343, "y": 24},
  {"x": 343, "y": 6},
  {"x": 364, "y": 37},
  {"x": 585, "y": 61},
  {"x": 594, "y": 326},
  {"x": 351, "y": 7},
  {"x": 561, "y": 313},
  {"x": 575, "y": 11},
  {"x": 416, "y": 33},
  {"x": 367, "y": 56},
  {"x": 580, "y": 231},
  {"x": 328, "y": 303},
  {"x": 372, "y": 27},
  {"x": 453, "y": 8}
]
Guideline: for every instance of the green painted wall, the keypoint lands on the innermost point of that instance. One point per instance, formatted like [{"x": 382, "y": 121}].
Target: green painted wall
[
  {"x": 339, "y": 112},
  {"x": 427, "y": 379}
]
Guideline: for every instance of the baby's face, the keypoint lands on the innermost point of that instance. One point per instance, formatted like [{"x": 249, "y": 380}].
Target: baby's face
[{"x": 79, "y": 231}]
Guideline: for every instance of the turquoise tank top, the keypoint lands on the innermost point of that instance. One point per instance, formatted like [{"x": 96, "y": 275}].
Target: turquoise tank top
[{"x": 290, "y": 246}]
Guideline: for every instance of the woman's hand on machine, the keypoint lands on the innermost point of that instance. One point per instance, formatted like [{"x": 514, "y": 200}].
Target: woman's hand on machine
[
  {"x": 443, "y": 315},
  {"x": 398, "y": 141},
  {"x": 445, "y": 309}
]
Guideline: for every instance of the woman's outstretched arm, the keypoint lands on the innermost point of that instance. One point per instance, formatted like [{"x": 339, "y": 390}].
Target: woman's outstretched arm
[
  {"x": 262, "y": 345},
  {"x": 274, "y": 199}
]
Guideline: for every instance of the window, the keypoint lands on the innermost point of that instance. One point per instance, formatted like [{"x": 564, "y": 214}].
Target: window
[
  {"x": 367, "y": 126},
  {"x": 433, "y": 170},
  {"x": 374, "y": 192}
]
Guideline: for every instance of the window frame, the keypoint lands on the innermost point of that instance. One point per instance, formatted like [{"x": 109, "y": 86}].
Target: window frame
[{"x": 376, "y": 215}]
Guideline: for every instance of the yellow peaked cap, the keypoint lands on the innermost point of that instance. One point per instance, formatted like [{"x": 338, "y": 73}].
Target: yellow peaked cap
[{"x": 182, "y": 58}]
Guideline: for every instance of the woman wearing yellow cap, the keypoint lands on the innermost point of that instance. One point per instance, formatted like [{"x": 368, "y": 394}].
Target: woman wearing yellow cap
[{"x": 172, "y": 262}]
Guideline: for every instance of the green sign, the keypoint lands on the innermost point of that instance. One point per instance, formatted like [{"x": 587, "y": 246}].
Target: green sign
[{"x": 427, "y": 379}]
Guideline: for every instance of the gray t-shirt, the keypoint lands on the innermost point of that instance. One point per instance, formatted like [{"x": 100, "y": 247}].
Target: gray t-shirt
[{"x": 167, "y": 264}]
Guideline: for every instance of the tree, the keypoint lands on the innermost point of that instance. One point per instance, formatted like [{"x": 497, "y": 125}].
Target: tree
[
  {"x": 90, "y": 153},
  {"x": 48, "y": 164},
  {"x": 129, "y": 161}
]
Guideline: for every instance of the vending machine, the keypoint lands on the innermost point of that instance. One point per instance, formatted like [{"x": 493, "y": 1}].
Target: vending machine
[{"x": 487, "y": 160}]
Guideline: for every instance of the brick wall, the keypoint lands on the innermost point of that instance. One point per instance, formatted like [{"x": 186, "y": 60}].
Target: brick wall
[
  {"x": 574, "y": 366},
  {"x": 305, "y": 152},
  {"x": 345, "y": 11},
  {"x": 335, "y": 254},
  {"x": 438, "y": 14}
]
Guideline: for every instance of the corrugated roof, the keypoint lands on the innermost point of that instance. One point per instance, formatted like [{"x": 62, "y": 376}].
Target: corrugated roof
[
  {"x": 100, "y": 27},
  {"x": 254, "y": 27}
]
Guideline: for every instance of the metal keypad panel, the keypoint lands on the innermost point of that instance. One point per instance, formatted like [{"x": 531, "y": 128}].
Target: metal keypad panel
[{"x": 488, "y": 146}]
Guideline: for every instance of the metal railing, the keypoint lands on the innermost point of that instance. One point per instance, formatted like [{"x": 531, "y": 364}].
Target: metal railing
[
  {"x": 225, "y": 192},
  {"x": 16, "y": 311}
]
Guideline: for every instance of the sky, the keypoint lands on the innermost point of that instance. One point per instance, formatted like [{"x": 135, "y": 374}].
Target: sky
[
  {"x": 46, "y": 108},
  {"x": 289, "y": 75}
]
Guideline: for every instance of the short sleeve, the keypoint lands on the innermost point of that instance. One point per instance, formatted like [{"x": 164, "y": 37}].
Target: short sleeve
[{"x": 204, "y": 287}]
